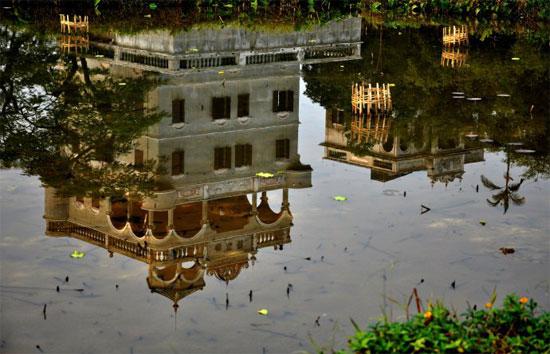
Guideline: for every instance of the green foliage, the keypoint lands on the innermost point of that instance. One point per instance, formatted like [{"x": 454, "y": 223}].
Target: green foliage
[
  {"x": 513, "y": 328},
  {"x": 503, "y": 9}
]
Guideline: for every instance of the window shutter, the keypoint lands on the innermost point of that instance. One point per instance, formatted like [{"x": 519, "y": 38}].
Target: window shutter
[
  {"x": 138, "y": 157},
  {"x": 227, "y": 161},
  {"x": 290, "y": 101},
  {"x": 275, "y": 100},
  {"x": 176, "y": 111}
]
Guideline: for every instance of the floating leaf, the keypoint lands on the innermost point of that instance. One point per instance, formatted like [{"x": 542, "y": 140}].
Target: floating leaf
[
  {"x": 264, "y": 174},
  {"x": 77, "y": 254},
  {"x": 340, "y": 198},
  {"x": 153, "y": 6},
  {"x": 515, "y": 58},
  {"x": 263, "y": 312},
  {"x": 391, "y": 85},
  {"x": 221, "y": 72},
  {"x": 482, "y": 222}
]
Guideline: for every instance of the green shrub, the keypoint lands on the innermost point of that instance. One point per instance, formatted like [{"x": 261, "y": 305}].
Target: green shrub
[{"x": 513, "y": 328}]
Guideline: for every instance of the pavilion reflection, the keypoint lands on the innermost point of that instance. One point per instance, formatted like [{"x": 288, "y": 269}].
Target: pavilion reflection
[
  {"x": 229, "y": 136},
  {"x": 369, "y": 137}
]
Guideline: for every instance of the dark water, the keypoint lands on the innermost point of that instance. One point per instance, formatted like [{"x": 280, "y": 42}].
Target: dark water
[{"x": 142, "y": 150}]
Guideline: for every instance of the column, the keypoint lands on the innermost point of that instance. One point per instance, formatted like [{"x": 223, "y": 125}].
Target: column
[
  {"x": 204, "y": 215},
  {"x": 254, "y": 203},
  {"x": 285, "y": 204},
  {"x": 171, "y": 219}
]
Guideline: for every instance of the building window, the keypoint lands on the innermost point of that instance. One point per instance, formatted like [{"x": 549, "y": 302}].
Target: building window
[
  {"x": 178, "y": 159},
  {"x": 243, "y": 155},
  {"x": 337, "y": 116},
  {"x": 138, "y": 158},
  {"x": 282, "y": 149},
  {"x": 243, "y": 104},
  {"x": 221, "y": 107},
  {"x": 222, "y": 157},
  {"x": 283, "y": 101},
  {"x": 95, "y": 202},
  {"x": 178, "y": 111}
]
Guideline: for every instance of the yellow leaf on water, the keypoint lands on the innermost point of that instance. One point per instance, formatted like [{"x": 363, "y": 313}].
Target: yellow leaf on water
[
  {"x": 77, "y": 254},
  {"x": 263, "y": 312},
  {"x": 340, "y": 198}
]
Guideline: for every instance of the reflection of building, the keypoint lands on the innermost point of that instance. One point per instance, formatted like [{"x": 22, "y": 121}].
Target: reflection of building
[
  {"x": 389, "y": 157},
  {"x": 222, "y": 127},
  {"x": 164, "y": 52}
]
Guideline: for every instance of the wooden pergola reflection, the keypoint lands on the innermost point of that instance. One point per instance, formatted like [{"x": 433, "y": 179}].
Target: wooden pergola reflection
[
  {"x": 74, "y": 37},
  {"x": 453, "y": 54},
  {"x": 371, "y": 107}
]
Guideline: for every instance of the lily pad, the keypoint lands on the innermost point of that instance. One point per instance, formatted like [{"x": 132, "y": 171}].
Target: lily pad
[
  {"x": 77, "y": 254},
  {"x": 340, "y": 198},
  {"x": 263, "y": 312}
]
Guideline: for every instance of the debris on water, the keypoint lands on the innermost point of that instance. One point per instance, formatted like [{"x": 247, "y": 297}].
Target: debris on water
[
  {"x": 116, "y": 286},
  {"x": 67, "y": 279},
  {"x": 263, "y": 312},
  {"x": 99, "y": 56},
  {"x": 307, "y": 258},
  {"x": 474, "y": 99},
  {"x": 507, "y": 250},
  {"x": 471, "y": 136},
  {"x": 264, "y": 175},
  {"x": 477, "y": 188},
  {"x": 284, "y": 268},
  {"x": 147, "y": 16},
  {"x": 317, "y": 321},
  {"x": 391, "y": 85},
  {"x": 226, "y": 301},
  {"x": 40, "y": 349},
  {"x": 404, "y": 193},
  {"x": 44, "y": 310},
  {"x": 424, "y": 209},
  {"x": 57, "y": 288},
  {"x": 486, "y": 140},
  {"x": 515, "y": 58},
  {"x": 458, "y": 93},
  {"x": 77, "y": 254},
  {"x": 121, "y": 84},
  {"x": 421, "y": 280},
  {"x": 525, "y": 151},
  {"x": 288, "y": 291},
  {"x": 458, "y": 97},
  {"x": 221, "y": 72},
  {"x": 250, "y": 295},
  {"x": 345, "y": 249},
  {"x": 483, "y": 222},
  {"x": 340, "y": 198},
  {"x": 503, "y": 95},
  {"x": 515, "y": 143},
  {"x": 322, "y": 258},
  {"x": 453, "y": 284}
]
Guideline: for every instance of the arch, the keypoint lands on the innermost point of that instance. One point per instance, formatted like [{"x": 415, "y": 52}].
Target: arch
[
  {"x": 119, "y": 212},
  {"x": 266, "y": 214},
  {"x": 187, "y": 219},
  {"x": 388, "y": 145},
  {"x": 159, "y": 223},
  {"x": 403, "y": 145},
  {"x": 229, "y": 214},
  {"x": 137, "y": 218}
]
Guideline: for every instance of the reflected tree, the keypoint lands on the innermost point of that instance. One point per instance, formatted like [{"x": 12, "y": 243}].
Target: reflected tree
[
  {"x": 67, "y": 123},
  {"x": 506, "y": 194}
]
